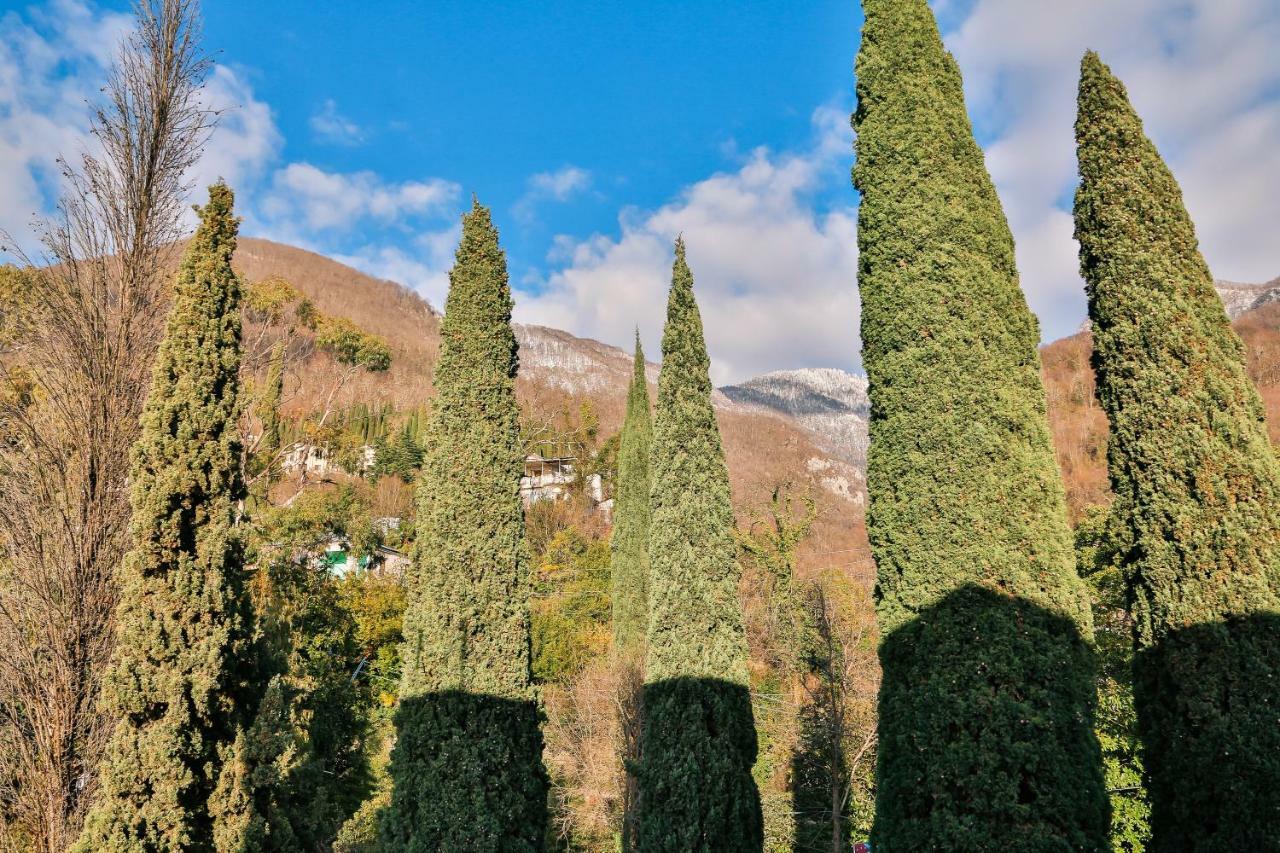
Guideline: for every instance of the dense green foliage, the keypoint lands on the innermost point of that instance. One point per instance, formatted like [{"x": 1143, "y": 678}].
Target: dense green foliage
[
  {"x": 311, "y": 649},
  {"x": 570, "y": 609},
  {"x": 1197, "y": 488},
  {"x": 698, "y": 739},
  {"x": 180, "y": 682},
  {"x": 769, "y": 548},
  {"x": 987, "y": 698},
  {"x": 467, "y": 765},
  {"x": 629, "y": 568},
  {"x": 629, "y": 546}
]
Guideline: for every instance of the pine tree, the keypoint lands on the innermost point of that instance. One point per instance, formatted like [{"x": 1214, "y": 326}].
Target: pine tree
[
  {"x": 987, "y": 698},
  {"x": 630, "y": 544},
  {"x": 698, "y": 739},
  {"x": 467, "y": 765},
  {"x": 1197, "y": 486},
  {"x": 180, "y": 682}
]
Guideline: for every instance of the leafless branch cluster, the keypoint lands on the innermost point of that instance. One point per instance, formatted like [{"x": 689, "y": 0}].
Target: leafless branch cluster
[{"x": 99, "y": 296}]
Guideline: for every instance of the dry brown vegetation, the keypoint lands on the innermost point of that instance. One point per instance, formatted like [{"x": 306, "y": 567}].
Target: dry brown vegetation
[{"x": 1080, "y": 426}]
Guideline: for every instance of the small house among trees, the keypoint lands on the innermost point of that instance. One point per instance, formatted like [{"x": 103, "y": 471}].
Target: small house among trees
[{"x": 552, "y": 478}]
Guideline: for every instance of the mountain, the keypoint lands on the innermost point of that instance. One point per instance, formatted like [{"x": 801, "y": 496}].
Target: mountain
[
  {"x": 831, "y": 404},
  {"x": 1239, "y": 298},
  {"x": 576, "y": 365},
  {"x": 803, "y": 427}
]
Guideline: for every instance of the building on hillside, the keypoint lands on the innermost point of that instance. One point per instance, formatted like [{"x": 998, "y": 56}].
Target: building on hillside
[
  {"x": 310, "y": 460},
  {"x": 315, "y": 460},
  {"x": 546, "y": 478},
  {"x": 553, "y": 478},
  {"x": 384, "y": 560}
]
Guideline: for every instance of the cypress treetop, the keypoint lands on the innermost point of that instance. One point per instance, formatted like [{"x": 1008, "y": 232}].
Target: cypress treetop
[
  {"x": 695, "y": 618},
  {"x": 468, "y": 628},
  {"x": 950, "y": 346},
  {"x": 467, "y": 766},
  {"x": 987, "y": 697},
  {"x": 180, "y": 682},
  {"x": 630, "y": 543},
  {"x": 698, "y": 739},
  {"x": 1197, "y": 490}
]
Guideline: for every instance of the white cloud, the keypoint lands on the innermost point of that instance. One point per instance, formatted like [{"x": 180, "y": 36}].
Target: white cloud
[
  {"x": 1203, "y": 75},
  {"x": 560, "y": 185},
  {"x": 245, "y": 141},
  {"x": 775, "y": 280},
  {"x": 51, "y": 65},
  {"x": 331, "y": 126},
  {"x": 305, "y": 197},
  {"x": 53, "y": 60}
]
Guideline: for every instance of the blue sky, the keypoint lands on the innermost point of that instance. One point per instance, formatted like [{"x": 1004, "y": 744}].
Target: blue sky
[{"x": 597, "y": 131}]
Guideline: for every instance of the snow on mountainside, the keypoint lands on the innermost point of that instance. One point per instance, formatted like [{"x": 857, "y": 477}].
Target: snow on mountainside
[
  {"x": 831, "y": 404},
  {"x": 580, "y": 365},
  {"x": 822, "y": 404},
  {"x": 1239, "y": 298},
  {"x": 577, "y": 365}
]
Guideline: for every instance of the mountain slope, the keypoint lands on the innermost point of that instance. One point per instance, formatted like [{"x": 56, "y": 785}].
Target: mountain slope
[
  {"x": 831, "y": 404},
  {"x": 1239, "y": 298},
  {"x": 558, "y": 372}
]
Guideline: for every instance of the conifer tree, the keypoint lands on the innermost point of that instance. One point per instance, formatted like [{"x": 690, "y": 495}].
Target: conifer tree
[
  {"x": 248, "y": 806},
  {"x": 630, "y": 544},
  {"x": 467, "y": 765},
  {"x": 269, "y": 404},
  {"x": 629, "y": 571},
  {"x": 180, "y": 683},
  {"x": 1197, "y": 491},
  {"x": 698, "y": 739},
  {"x": 987, "y": 697}
]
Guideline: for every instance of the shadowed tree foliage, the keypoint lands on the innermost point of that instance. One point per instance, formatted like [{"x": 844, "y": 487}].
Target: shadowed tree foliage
[
  {"x": 987, "y": 702},
  {"x": 180, "y": 682},
  {"x": 1197, "y": 485},
  {"x": 467, "y": 765},
  {"x": 629, "y": 569},
  {"x": 698, "y": 738}
]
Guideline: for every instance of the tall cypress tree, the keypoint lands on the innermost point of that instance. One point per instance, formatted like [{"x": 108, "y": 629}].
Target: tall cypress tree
[
  {"x": 180, "y": 682},
  {"x": 698, "y": 739},
  {"x": 630, "y": 544},
  {"x": 467, "y": 765},
  {"x": 987, "y": 697},
  {"x": 629, "y": 570},
  {"x": 1197, "y": 491}
]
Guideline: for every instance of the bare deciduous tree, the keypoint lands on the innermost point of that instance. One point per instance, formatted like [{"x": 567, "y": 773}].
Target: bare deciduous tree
[{"x": 100, "y": 294}]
